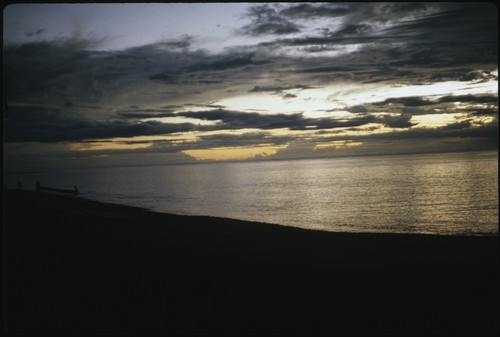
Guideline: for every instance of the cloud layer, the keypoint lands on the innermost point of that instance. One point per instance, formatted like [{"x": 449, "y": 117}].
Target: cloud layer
[{"x": 66, "y": 91}]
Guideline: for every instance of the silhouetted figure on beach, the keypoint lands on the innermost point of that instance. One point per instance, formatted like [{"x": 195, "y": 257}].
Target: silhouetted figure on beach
[
  {"x": 19, "y": 186},
  {"x": 38, "y": 186},
  {"x": 76, "y": 189}
]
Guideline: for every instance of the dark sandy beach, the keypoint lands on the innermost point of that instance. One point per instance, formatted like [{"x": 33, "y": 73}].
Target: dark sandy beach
[{"x": 74, "y": 266}]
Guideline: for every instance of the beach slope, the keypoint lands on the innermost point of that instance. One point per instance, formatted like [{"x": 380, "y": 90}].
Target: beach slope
[{"x": 74, "y": 266}]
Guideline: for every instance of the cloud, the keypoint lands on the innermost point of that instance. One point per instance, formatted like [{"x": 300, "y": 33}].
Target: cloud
[
  {"x": 36, "y": 157},
  {"x": 356, "y": 12},
  {"x": 401, "y": 121},
  {"x": 357, "y": 109},
  {"x": 462, "y": 130},
  {"x": 464, "y": 74},
  {"x": 423, "y": 105},
  {"x": 146, "y": 113},
  {"x": 469, "y": 98},
  {"x": 225, "y": 62},
  {"x": 411, "y": 101},
  {"x": 42, "y": 124},
  {"x": 184, "y": 41},
  {"x": 309, "y": 11},
  {"x": 67, "y": 91},
  {"x": 240, "y": 140},
  {"x": 405, "y": 43},
  {"x": 485, "y": 112},
  {"x": 296, "y": 121},
  {"x": 59, "y": 71},
  {"x": 353, "y": 29},
  {"x": 242, "y": 120},
  {"x": 64, "y": 72},
  {"x": 474, "y": 25},
  {"x": 266, "y": 20},
  {"x": 329, "y": 69},
  {"x": 272, "y": 88},
  {"x": 35, "y": 33},
  {"x": 458, "y": 125}
]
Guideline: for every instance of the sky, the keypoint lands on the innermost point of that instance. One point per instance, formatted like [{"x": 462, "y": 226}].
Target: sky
[{"x": 90, "y": 85}]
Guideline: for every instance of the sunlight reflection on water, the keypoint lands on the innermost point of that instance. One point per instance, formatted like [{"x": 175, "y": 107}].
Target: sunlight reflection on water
[{"x": 432, "y": 193}]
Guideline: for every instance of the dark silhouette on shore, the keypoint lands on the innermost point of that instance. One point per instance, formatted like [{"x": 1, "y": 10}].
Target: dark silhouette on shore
[
  {"x": 95, "y": 268},
  {"x": 40, "y": 188}
]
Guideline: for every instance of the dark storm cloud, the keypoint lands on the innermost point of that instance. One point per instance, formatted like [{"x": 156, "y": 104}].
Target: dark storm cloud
[
  {"x": 41, "y": 124},
  {"x": 459, "y": 129},
  {"x": 271, "y": 88},
  {"x": 459, "y": 35},
  {"x": 418, "y": 104},
  {"x": 330, "y": 40},
  {"x": 246, "y": 139},
  {"x": 353, "y": 29},
  {"x": 424, "y": 43},
  {"x": 184, "y": 41},
  {"x": 329, "y": 69},
  {"x": 406, "y": 52},
  {"x": 201, "y": 68},
  {"x": 458, "y": 136},
  {"x": 35, "y": 33},
  {"x": 353, "y": 12},
  {"x": 484, "y": 112},
  {"x": 147, "y": 113},
  {"x": 462, "y": 131},
  {"x": 29, "y": 69},
  {"x": 469, "y": 99},
  {"x": 37, "y": 123},
  {"x": 310, "y": 11},
  {"x": 69, "y": 70},
  {"x": 241, "y": 120},
  {"x": 357, "y": 109},
  {"x": 358, "y": 21},
  {"x": 411, "y": 101},
  {"x": 266, "y": 20},
  {"x": 401, "y": 121},
  {"x": 66, "y": 69},
  {"x": 465, "y": 124},
  {"x": 225, "y": 62},
  {"x": 464, "y": 75},
  {"x": 478, "y": 76}
]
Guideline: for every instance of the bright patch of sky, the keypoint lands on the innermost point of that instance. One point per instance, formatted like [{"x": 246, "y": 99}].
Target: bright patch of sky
[
  {"x": 126, "y": 25},
  {"x": 320, "y": 102}
]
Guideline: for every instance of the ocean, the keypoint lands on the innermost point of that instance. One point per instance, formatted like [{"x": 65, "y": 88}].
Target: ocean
[{"x": 446, "y": 193}]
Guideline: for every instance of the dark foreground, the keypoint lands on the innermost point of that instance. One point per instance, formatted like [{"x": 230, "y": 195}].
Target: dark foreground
[{"x": 80, "y": 267}]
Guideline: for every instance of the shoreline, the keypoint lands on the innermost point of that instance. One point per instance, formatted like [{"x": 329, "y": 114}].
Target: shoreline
[
  {"x": 74, "y": 265},
  {"x": 197, "y": 217}
]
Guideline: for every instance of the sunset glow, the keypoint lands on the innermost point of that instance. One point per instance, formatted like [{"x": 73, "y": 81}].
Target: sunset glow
[
  {"x": 233, "y": 153},
  {"x": 245, "y": 81}
]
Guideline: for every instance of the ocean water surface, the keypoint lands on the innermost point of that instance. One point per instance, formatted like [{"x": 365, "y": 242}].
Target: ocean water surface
[{"x": 450, "y": 193}]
